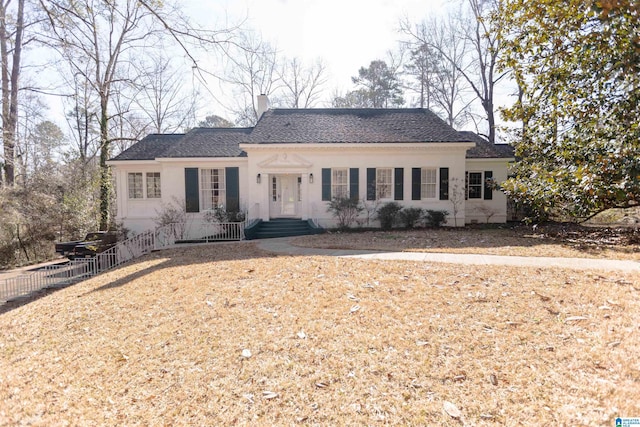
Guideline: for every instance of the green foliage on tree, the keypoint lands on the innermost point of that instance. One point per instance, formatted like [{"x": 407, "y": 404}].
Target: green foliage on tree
[
  {"x": 213, "y": 121},
  {"x": 377, "y": 87},
  {"x": 577, "y": 65}
]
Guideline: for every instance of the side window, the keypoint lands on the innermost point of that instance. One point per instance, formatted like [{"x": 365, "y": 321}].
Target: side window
[
  {"x": 274, "y": 189},
  {"x": 428, "y": 183},
  {"x": 474, "y": 185},
  {"x": 212, "y": 188},
  {"x": 340, "y": 183},
  {"x": 134, "y": 184},
  {"x": 153, "y": 185},
  {"x": 384, "y": 183}
]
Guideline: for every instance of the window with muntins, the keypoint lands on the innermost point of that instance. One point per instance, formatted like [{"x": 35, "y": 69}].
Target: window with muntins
[
  {"x": 212, "y": 188},
  {"x": 384, "y": 183},
  {"x": 428, "y": 183},
  {"x": 134, "y": 183},
  {"x": 274, "y": 189},
  {"x": 340, "y": 183},
  {"x": 153, "y": 185},
  {"x": 474, "y": 185}
]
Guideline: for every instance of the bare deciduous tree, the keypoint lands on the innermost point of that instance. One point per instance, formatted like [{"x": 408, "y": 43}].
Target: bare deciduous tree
[
  {"x": 302, "y": 85},
  {"x": 162, "y": 94},
  {"x": 252, "y": 71},
  {"x": 445, "y": 53},
  {"x": 99, "y": 39},
  {"x": 479, "y": 33}
]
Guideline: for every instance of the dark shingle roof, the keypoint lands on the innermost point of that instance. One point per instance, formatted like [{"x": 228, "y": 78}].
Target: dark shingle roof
[
  {"x": 210, "y": 142},
  {"x": 314, "y": 126},
  {"x": 352, "y": 126},
  {"x": 149, "y": 147},
  {"x": 486, "y": 150}
]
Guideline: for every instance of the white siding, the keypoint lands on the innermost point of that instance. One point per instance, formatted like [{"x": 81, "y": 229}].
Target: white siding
[
  {"x": 307, "y": 159},
  {"x": 494, "y": 210}
]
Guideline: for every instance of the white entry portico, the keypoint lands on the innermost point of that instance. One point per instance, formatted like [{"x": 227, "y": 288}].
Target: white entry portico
[{"x": 282, "y": 185}]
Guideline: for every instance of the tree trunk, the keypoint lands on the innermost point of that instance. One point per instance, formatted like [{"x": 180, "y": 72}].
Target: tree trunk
[
  {"x": 491, "y": 121},
  {"x": 10, "y": 81},
  {"x": 105, "y": 171}
]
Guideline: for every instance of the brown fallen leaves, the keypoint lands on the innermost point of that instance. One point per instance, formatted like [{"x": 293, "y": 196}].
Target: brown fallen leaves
[
  {"x": 569, "y": 241},
  {"x": 162, "y": 342}
]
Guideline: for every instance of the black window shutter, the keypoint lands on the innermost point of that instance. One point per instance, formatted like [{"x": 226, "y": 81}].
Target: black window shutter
[
  {"x": 444, "y": 183},
  {"x": 191, "y": 192},
  {"x": 371, "y": 183},
  {"x": 326, "y": 184},
  {"x": 416, "y": 183},
  {"x": 488, "y": 191},
  {"x": 398, "y": 184},
  {"x": 354, "y": 183},
  {"x": 232, "y": 176}
]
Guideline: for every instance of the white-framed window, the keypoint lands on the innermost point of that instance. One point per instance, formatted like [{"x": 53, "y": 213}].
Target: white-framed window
[
  {"x": 340, "y": 183},
  {"x": 384, "y": 183},
  {"x": 428, "y": 183},
  {"x": 474, "y": 185},
  {"x": 212, "y": 189},
  {"x": 134, "y": 184},
  {"x": 153, "y": 185}
]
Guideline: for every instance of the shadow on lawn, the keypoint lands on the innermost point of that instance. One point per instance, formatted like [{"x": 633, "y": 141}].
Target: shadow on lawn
[{"x": 174, "y": 257}]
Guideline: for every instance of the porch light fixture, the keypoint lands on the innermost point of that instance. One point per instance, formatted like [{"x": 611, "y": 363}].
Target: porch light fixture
[
  {"x": 310, "y": 178},
  {"x": 258, "y": 179}
]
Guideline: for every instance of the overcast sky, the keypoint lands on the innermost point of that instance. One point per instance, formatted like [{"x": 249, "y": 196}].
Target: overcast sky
[{"x": 346, "y": 34}]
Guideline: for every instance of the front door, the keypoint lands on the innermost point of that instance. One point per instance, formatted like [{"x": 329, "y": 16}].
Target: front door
[{"x": 284, "y": 196}]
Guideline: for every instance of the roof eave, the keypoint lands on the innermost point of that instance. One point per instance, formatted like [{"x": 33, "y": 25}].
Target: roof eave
[
  {"x": 492, "y": 159},
  {"x": 200, "y": 159},
  {"x": 453, "y": 144},
  {"x": 115, "y": 162}
]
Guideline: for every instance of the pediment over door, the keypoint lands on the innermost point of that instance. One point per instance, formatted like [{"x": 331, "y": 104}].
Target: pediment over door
[{"x": 285, "y": 161}]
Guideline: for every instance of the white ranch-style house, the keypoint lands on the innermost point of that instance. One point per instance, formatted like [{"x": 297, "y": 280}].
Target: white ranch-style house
[{"x": 294, "y": 161}]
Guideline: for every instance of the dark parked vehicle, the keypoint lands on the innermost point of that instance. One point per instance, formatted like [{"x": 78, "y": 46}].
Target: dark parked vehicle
[{"x": 92, "y": 244}]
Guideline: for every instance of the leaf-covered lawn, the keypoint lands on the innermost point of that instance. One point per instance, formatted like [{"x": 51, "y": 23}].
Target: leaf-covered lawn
[
  {"x": 226, "y": 334},
  {"x": 546, "y": 241}
]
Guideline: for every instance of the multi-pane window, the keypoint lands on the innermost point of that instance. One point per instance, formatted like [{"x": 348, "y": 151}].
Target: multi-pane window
[
  {"x": 384, "y": 183},
  {"x": 274, "y": 189},
  {"x": 153, "y": 185},
  {"x": 340, "y": 183},
  {"x": 212, "y": 188},
  {"x": 428, "y": 183},
  {"x": 134, "y": 183},
  {"x": 474, "y": 185}
]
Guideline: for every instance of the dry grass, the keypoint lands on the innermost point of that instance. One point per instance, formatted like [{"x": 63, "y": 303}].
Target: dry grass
[
  {"x": 517, "y": 241},
  {"x": 333, "y": 342}
]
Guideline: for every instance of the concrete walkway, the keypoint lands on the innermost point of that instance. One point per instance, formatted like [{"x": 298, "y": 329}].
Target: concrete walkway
[{"x": 283, "y": 245}]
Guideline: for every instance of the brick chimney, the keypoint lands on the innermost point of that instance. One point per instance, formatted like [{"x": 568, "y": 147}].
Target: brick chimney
[{"x": 263, "y": 105}]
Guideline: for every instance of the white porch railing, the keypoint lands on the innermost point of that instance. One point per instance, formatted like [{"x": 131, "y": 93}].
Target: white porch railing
[
  {"x": 76, "y": 270},
  {"x": 79, "y": 269},
  {"x": 198, "y": 232}
]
